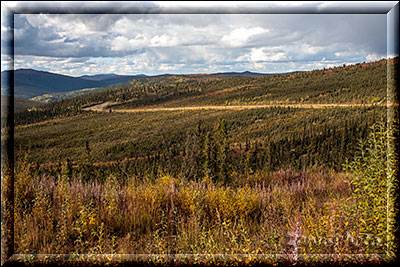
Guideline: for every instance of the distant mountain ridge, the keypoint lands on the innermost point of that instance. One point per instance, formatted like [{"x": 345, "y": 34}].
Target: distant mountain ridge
[
  {"x": 97, "y": 77},
  {"x": 108, "y": 79},
  {"x": 244, "y": 73},
  {"x": 29, "y": 83}
]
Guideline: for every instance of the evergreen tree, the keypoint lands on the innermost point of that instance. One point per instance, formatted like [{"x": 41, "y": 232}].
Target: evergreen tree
[
  {"x": 209, "y": 166},
  {"x": 222, "y": 149},
  {"x": 191, "y": 154}
]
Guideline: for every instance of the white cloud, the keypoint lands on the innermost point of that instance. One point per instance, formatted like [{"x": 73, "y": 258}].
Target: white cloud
[
  {"x": 240, "y": 36},
  {"x": 307, "y": 49},
  {"x": 19, "y": 33},
  {"x": 122, "y": 43},
  {"x": 373, "y": 57},
  {"x": 265, "y": 54},
  {"x": 123, "y": 26},
  {"x": 341, "y": 54},
  {"x": 164, "y": 40}
]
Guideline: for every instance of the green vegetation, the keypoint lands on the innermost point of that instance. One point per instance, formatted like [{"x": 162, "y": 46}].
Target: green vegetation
[
  {"x": 365, "y": 221},
  {"x": 270, "y": 138},
  {"x": 240, "y": 183}
]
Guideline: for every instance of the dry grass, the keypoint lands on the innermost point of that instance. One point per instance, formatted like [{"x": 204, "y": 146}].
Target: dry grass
[{"x": 169, "y": 215}]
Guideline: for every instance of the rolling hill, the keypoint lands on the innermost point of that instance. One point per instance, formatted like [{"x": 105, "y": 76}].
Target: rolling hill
[
  {"x": 47, "y": 86},
  {"x": 108, "y": 79},
  {"x": 20, "y": 104},
  {"x": 355, "y": 84},
  {"x": 30, "y": 83}
]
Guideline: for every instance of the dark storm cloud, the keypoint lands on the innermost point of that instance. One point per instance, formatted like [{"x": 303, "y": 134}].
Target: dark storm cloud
[
  {"x": 43, "y": 40},
  {"x": 366, "y": 32},
  {"x": 99, "y": 38}
]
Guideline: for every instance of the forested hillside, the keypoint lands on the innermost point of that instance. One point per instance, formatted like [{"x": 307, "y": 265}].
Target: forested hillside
[
  {"x": 269, "y": 138},
  {"x": 117, "y": 172},
  {"x": 360, "y": 83}
]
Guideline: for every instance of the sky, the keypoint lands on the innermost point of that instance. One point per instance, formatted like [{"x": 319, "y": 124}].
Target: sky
[{"x": 129, "y": 44}]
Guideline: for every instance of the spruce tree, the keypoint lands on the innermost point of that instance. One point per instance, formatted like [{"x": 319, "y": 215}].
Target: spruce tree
[
  {"x": 221, "y": 142},
  {"x": 209, "y": 166}
]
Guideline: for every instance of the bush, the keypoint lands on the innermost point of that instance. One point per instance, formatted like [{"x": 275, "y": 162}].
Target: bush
[
  {"x": 364, "y": 222},
  {"x": 373, "y": 182}
]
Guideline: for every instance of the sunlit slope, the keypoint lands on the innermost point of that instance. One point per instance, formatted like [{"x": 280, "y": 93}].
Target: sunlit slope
[{"x": 361, "y": 83}]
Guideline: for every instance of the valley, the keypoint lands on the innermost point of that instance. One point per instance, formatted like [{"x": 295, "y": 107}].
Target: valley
[{"x": 207, "y": 164}]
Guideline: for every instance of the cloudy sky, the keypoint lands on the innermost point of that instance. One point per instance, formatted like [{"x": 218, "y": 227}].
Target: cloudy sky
[{"x": 78, "y": 44}]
